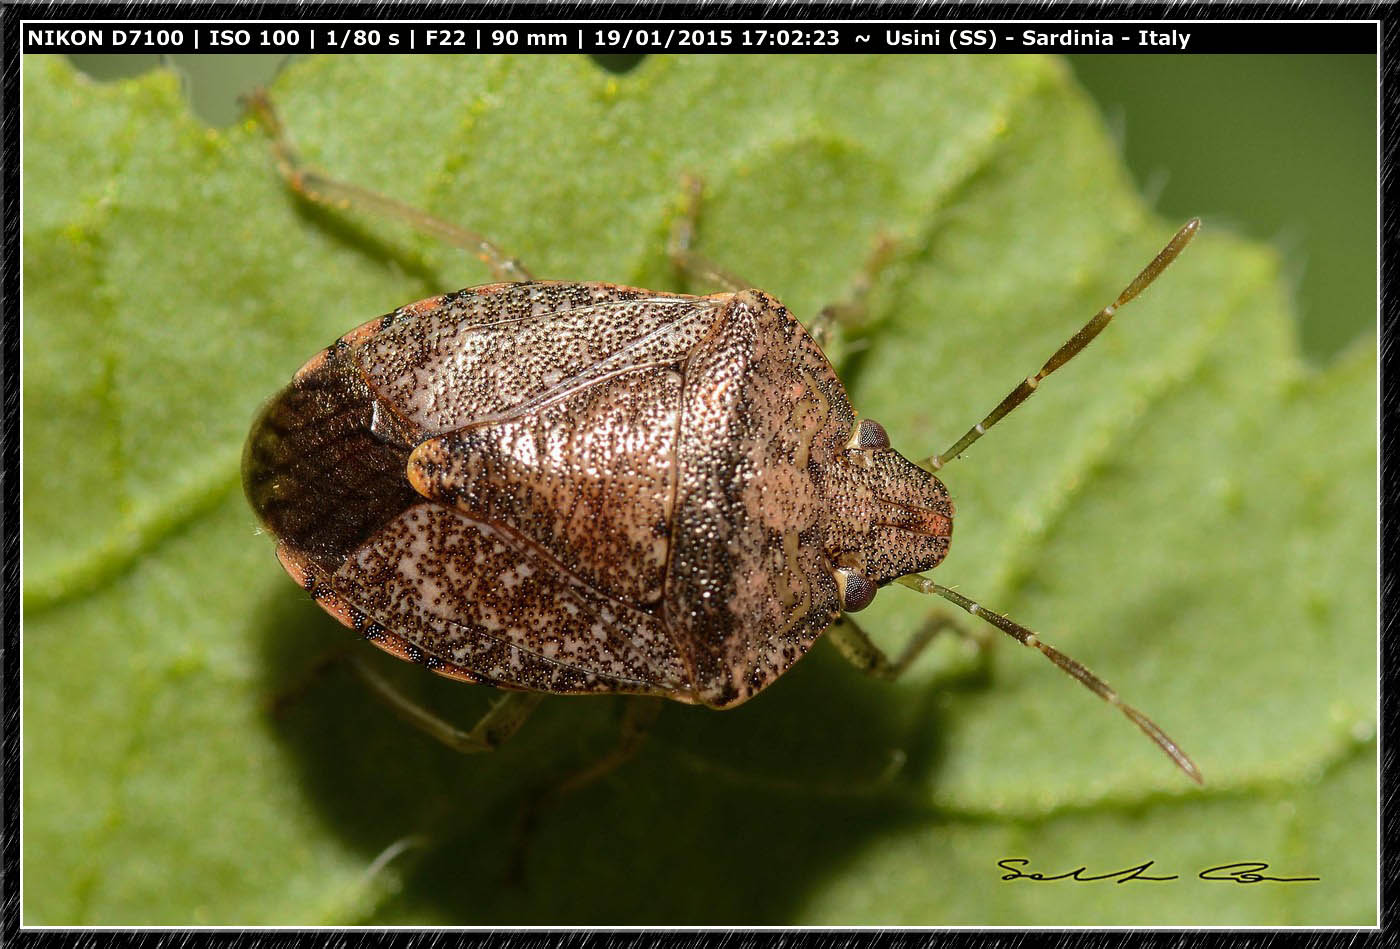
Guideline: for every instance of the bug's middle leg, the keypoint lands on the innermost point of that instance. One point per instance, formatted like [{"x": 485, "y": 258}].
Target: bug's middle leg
[
  {"x": 322, "y": 189},
  {"x": 688, "y": 263},
  {"x": 638, "y": 715},
  {"x": 852, "y": 310}
]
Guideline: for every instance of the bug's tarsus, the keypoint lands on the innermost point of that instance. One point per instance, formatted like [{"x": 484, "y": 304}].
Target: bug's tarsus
[
  {"x": 1072, "y": 347},
  {"x": 391, "y": 853},
  {"x": 1069, "y": 665},
  {"x": 320, "y": 189}
]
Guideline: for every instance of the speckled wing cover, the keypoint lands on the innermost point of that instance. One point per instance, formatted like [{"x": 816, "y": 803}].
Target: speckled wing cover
[{"x": 614, "y": 489}]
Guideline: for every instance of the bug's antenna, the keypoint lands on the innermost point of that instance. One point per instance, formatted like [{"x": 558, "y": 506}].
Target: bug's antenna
[
  {"x": 1071, "y": 666},
  {"x": 1072, "y": 346}
]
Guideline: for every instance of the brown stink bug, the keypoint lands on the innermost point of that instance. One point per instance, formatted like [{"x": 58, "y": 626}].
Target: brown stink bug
[{"x": 587, "y": 488}]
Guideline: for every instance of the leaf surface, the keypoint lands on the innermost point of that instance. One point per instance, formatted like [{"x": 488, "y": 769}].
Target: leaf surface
[{"x": 1185, "y": 509}]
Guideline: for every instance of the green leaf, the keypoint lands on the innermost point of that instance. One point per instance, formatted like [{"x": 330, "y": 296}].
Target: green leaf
[{"x": 1186, "y": 509}]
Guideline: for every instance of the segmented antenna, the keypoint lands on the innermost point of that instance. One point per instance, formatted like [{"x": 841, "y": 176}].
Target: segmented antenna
[
  {"x": 1072, "y": 347},
  {"x": 1071, "y": 666}
]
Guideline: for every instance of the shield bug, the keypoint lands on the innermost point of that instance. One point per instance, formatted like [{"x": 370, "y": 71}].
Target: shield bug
[{"x": 573, "y": 488}]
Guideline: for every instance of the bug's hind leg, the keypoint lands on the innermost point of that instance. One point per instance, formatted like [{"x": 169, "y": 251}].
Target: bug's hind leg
[
  {"x": 317, "y": 187},
  {"x": 501, "y": 721},
  {"x": 857, "y": 648},
  {"x": 690, "y": 265},
  {"x": 852, "y": 310},
  {"x": 639, "y": 713},
  {"x": 292, "y": 693}
]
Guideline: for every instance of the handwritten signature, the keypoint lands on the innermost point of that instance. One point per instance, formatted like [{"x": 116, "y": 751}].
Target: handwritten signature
[{"x": 1244, "y": 873}]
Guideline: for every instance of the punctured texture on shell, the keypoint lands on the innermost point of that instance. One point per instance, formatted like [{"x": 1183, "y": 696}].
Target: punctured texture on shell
[{"x": 585, "y": 488}]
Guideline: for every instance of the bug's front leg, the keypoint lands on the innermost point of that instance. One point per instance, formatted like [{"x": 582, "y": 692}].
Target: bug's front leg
[
  {"x": 857, "y": 648},
  {"x": 322, "y": 189},
  {"x": 501, "y": 721}
]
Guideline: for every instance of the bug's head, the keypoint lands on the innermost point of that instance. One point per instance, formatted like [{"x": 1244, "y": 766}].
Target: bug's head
[{"x": 887, "y": 517}]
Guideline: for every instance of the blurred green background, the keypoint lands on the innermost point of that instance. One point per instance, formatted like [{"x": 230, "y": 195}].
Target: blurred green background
[
  {"x": 1319, "y": 111},
  {"x": 1318, "y": 206}
]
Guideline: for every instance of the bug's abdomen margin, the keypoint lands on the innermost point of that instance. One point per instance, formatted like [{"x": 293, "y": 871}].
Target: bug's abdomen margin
[{"x": 316, "y": 472}]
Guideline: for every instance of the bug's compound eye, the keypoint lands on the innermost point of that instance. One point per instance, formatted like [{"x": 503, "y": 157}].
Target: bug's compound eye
[
  {"x": 867, "y": 435},
  {"x": 857, "y": 591}
]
